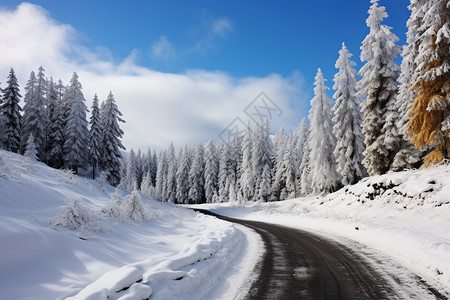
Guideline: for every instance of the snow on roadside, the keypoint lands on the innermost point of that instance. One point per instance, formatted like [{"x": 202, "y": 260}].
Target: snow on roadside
[
  {"x": 404, "y": 215},
  {"x": 174, "y": 253}
]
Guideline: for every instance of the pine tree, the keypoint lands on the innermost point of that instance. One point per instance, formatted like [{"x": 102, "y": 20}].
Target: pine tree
[
  {"x": 171, "y": 191},
  {"x": 130, "y": 179},
  {"x": 76, "y": 131},
  {"x": 56, "y": 127},
  {"x": 95, "y": 136},
  {"x": 247, "y": 181},
  {"x": 30, "y": 150},
  {"x": 111, "y": 143},
  {"x": 305, "y": 169},
  {"x": 322, "y": 142},
  {"x": 408, "y": 157},
  {"x": 225, "y": 171},
  {"x": 27, "y": 111},
  {"x": 196, "y": 175},
  {"x": 10, "y": 110},
  {"x": 347, "y": 121},
  {"x": 265, "y": 185},
  {"x": 161, "y": 177},
  {"x": 430, "y": 113},
  {"x": 379, "y": 86},
  {"x": 184, "y": 165},
  {"x": 278, "y": 186},
  {"x": 211, "y": 172},
  {"x": 302, "y": 141}
]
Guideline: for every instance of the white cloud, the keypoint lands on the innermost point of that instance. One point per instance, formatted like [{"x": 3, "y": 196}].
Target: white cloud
[
  {"x": 158, "y": 107},
  {"x": 162, "y": 48},
  {"x": 221, "y": 27}
]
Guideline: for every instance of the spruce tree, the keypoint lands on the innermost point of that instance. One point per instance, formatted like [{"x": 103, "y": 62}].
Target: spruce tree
[
  {"x": 184, "y": 165},
  {"x": 95, "y": 136},
  {"x": 171, "y": 190},
  {"x": 247, "y": 181},
  {"x": 196, "y": 177},
  {"x": 10, "y": 109},
  {"x": 379, "y": 87},
  {"x": 347, "y": 121},
  {"x": 322, "y": 142},
  {"x": 408, "y": 157},
  {"x": 211, "y": 172},
  {"x": 161, "y": 177},
  {"x": 27, "y": 111},
  {"x": 76, "y": 130},
  {"x": 302, "y": 141},
  {"x": 430, "y": 114},
  {"x": 111, "y": 142},
  {"x": 55, "y": 143}
]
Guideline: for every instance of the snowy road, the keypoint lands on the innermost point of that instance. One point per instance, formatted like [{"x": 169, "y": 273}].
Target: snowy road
[{"x": 301, "y": 265}]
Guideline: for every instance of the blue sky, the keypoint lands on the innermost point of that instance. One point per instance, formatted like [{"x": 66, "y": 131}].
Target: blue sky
[{"x": 242, "y": 39}]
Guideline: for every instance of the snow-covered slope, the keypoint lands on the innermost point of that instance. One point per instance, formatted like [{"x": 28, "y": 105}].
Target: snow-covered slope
[
  {"x": 404, "y": 216},
  {"x": 173, "y": 254}
]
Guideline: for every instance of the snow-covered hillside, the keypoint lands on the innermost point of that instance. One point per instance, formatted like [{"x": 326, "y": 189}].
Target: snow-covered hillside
[
  {"x": 174, "y": 253},
  {"x": 404, "y": 216}
]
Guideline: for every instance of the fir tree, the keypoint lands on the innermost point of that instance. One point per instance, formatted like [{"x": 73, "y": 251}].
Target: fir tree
[
  {"x": 10, "y": 110},
  {"x": 430, "y": 114},
  {"x": 247, "y": 181},
  {"x": 111, "y": 143},
  {"x": 30, "y": 150},
  {"x": 322, "y": 142},
  {"x": 379, "y": 86},
  {"x": 27, "y": 111},
  {"x": 76, "y": 131},
  {"x": 161, "y": 177},
  {"x": 171, "y": 190},
  {"x": 302, "y": 141},
  {"x": 347, "y": 121},
  {"x": 196, "y": 175},
  {"x": 56, "y": 128},
  {"x": 95, "y": 136},
  {"x": 408, "y": 157},
  {"x": 211, "y": 172},
  {"x": 182, "y": 181}
]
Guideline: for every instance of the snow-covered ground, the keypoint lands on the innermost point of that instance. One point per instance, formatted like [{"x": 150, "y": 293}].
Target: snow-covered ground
[
  {"x": 404, "y": 216},
  {"x": 174, "y": 253}
]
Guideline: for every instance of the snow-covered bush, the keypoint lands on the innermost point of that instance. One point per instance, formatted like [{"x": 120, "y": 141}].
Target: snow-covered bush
[
  {"x": 73, "y": 216},
  {"x": 132, "y": 207},
  {"x": 102, "y": 180},
  {"x": 113, "y": 208}
]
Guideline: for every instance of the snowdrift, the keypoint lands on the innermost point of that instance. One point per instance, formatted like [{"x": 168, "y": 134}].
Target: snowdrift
[
  {"x": 404, "y": 216},
  {"x": 66, "y": 236}
]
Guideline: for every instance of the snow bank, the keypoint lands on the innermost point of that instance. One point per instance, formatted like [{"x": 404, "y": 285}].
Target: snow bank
[
  {"x": 404, "y": 215},
  {"x": 65, "y": 236}
]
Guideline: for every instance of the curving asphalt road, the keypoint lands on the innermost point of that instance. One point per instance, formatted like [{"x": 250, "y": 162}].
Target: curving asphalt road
[{"x": 300, "y": 265}]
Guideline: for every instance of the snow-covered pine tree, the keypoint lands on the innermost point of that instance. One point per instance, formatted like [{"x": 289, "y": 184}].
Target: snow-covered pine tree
[
  {"x": 171, "y": 190},
  {"x": 132, "y": 206},
  {"x": 347, "y": 121},
  {"x": 247, "y": 182},
  {"x": 280, "y": 141},
  {"x": 35, "y": 115},
  {"x": 57, "y": 121},
  {"x": 305, "y": 170},
  {"x": 379, "y": 86},
  {"x": 265, "y": 184},
  {"x": 211, "y": 172},
  {"x": 225, "y": 166},
  {"x": 140, "y": 167},
  {"x": 30, "y": 150},
  {"x": 130, "y": 179},
  {"x": 111, "y": 143},
  {"x": 161, "y": 177},
  {"x": 302, "y": 141},
  {"x": 52, "y": 98},
  {"x": 409, "y": 156},
  {"x": 184, "y": 165},
  {"x": 95, "y": 136},
  {"x": 76, "y": 131},
  {"x": 284, "y": 180},
  {"x": 430, "y": 113},
  {"x": 322, "y": 142},
  {"x": 196, "y": 175},
  {"x": 10, "y": 109}
]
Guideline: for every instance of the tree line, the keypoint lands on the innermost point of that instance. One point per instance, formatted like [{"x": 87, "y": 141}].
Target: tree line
[
  {"x": 52, "y": 126},
  {"x": 392, "y": 118}
]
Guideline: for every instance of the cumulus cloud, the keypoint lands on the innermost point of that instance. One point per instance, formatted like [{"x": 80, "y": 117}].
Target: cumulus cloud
[
  {"x": 163, "y": 48},
  {"x": 158, "y": 107}
]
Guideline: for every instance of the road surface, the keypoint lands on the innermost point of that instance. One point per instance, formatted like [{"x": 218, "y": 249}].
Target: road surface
[{"x": 300, "y": 265}]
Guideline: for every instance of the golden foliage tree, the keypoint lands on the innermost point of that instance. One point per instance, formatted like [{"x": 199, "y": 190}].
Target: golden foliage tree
[{"x": 430, "y": 114}]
